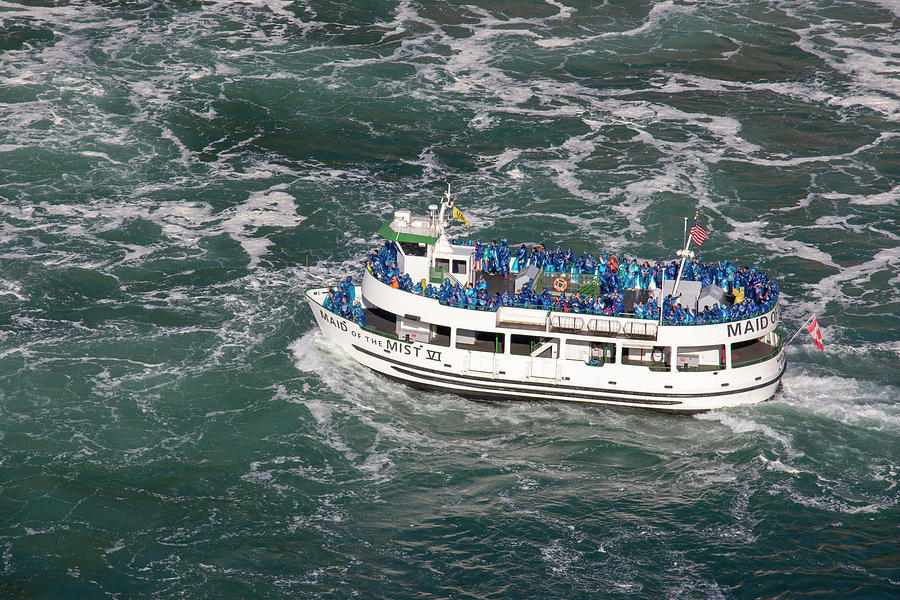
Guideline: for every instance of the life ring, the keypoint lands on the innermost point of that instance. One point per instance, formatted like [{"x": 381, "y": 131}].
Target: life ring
[
  {"x": 559, "y": 284},
  {"x": 657, "y": 355}
]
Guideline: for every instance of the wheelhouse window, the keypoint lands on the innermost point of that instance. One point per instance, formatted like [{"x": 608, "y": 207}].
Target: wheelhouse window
[
  {"x": 442, "y": 263},
  {"x": 413, "y": 249},
  {"x": 459, "y": 267}
]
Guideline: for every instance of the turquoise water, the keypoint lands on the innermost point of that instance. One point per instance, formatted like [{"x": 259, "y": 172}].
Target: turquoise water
[{"x": 173, "y": 175}]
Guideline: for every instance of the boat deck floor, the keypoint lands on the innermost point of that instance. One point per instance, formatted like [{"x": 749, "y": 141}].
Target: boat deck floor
[
  {"x": 497, "y": 284},
  {"x": 751, "y": 352}
]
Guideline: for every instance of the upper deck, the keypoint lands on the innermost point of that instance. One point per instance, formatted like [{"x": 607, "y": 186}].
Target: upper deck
[{"x": 417, "y": 307}]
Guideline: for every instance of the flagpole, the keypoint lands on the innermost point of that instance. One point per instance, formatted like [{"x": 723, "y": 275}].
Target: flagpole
[
  {"x": 684, "y": 254},
  {"x": 802, "y": 327},
  {"x": 661, "y": 299}
]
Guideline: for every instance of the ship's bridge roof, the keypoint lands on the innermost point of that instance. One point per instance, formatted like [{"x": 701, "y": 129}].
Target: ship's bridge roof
[{"x": 406, "y": 227}]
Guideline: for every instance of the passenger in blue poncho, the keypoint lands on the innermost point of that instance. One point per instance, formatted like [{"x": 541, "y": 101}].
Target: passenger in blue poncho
[
  {"x": 359, "y": 315},
  {"x": 330, "y": 302},
  {"x": 489, "y": 262},
  {"x": 640, "y": 312},
  {"x": 559, "y": 265},
  {"x": 344, "y": 309},
  {"x": 652, "y": 309},
  {"x": 347, "y": 288},
  {"x": 503, "y": 257},
  {"x": 521, "y": 259},
  {"x": 644, "y": 276}
]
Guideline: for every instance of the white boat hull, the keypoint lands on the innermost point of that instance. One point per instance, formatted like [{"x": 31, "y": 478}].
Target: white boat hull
[{"x": 504, "y": 376}]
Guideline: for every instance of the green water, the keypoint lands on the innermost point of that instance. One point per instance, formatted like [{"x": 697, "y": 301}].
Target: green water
[{"x": 174, "y": 175}]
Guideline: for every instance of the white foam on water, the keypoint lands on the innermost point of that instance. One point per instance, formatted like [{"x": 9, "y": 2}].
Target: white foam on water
[
  {"x": 690, "y": 83},
  {"x": 890, "y": 198},
  {"x": 832, "y": 500},
  {"x": 117, "y": 545},
  {"x": 871, "y": 65},
  {"x": 886, "y": 260},
  {"x": 751, "y": 232},
  {"x": 655, "y": 19},
  {"x": 741, "y": 424},
  {"x": 556, "y": 42},
  {"x": 185, "y": 223},
  {"x": 102, "y": 155},
  {"x": 363, "y": 395},
  {"x": 777, "y": 465},
  {"x": 560, "y": 558},
  {"x": 270, "y": 208},
  {"x": 860, "y": 404},
  {"x": 12, "y": 288}
]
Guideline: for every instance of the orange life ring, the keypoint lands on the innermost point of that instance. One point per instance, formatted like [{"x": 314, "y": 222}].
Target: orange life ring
[{"x": 559, "y": 284}]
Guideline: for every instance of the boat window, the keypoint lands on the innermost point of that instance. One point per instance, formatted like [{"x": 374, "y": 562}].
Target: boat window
[
  {"x": 701, "y": 358},
  {"x": 750, "y": 352},
  {"x": 658, "y": 358},
  {"x": 413, "y": 249},
  {"x": 440, "y": 335},
  {"x": 595, "y": 354},
  {"x": 381, "y": 321},
  {"x": 442, "y": 263},
  {"x": 459, "y": 267},
  {"x": 482, "y": 341},
  {"x": 602, "y": 353},
  {"x": 534, "y": 345}
]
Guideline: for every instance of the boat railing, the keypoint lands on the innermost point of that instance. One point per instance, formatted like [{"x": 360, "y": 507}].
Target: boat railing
[
  {"x": 585, "y": 311},
  {"x": 586, "y": 284}
]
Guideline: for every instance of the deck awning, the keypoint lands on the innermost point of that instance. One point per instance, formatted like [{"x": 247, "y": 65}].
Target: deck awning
[{"x": 389, "y": 233}]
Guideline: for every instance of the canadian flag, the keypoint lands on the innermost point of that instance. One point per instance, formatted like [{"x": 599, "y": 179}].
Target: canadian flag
[{"x": 813, "y": 329}]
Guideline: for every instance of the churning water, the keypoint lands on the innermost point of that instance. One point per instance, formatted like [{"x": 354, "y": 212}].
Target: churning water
[{"x": 174, "y": 174}]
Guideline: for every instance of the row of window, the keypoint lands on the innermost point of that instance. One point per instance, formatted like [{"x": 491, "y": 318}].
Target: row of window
[
  {"x": 686, "y": 358},
  {"x": 597, "y": 353}
]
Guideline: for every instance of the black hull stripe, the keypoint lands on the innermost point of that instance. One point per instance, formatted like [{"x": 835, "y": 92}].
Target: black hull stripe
[
  {"x": 543, "y": 395},
  {"x": 617, "y": 403},
  {"x": 521, "y": 386}
]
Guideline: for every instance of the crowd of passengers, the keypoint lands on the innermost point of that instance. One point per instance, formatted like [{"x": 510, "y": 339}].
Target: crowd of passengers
[
  {"x": 752, "y": 292},
  {"x": 342, "y": 300}
]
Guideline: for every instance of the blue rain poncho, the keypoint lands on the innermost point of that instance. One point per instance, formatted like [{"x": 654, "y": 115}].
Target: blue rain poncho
[
  {"x": 521, "y": 259},
  {"x": 359, "y": 315}
]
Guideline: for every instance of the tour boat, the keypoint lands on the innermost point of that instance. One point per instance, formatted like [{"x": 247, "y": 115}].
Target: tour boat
[{"x": 558, "y": 346}]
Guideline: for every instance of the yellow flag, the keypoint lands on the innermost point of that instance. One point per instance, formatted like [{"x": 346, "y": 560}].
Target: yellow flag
[{"x": 457, "y": 214}]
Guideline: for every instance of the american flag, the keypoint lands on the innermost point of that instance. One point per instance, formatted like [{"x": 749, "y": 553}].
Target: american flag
[{"x": 698, "y": 234}]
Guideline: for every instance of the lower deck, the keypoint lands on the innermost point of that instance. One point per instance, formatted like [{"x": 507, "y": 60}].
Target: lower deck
[
  {"x": 596, "y": 352},
  {"x": 516, "y": 363}
]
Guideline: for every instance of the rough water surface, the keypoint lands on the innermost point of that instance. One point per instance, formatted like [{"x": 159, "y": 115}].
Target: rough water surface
[{"x": 173, "y": 175}]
